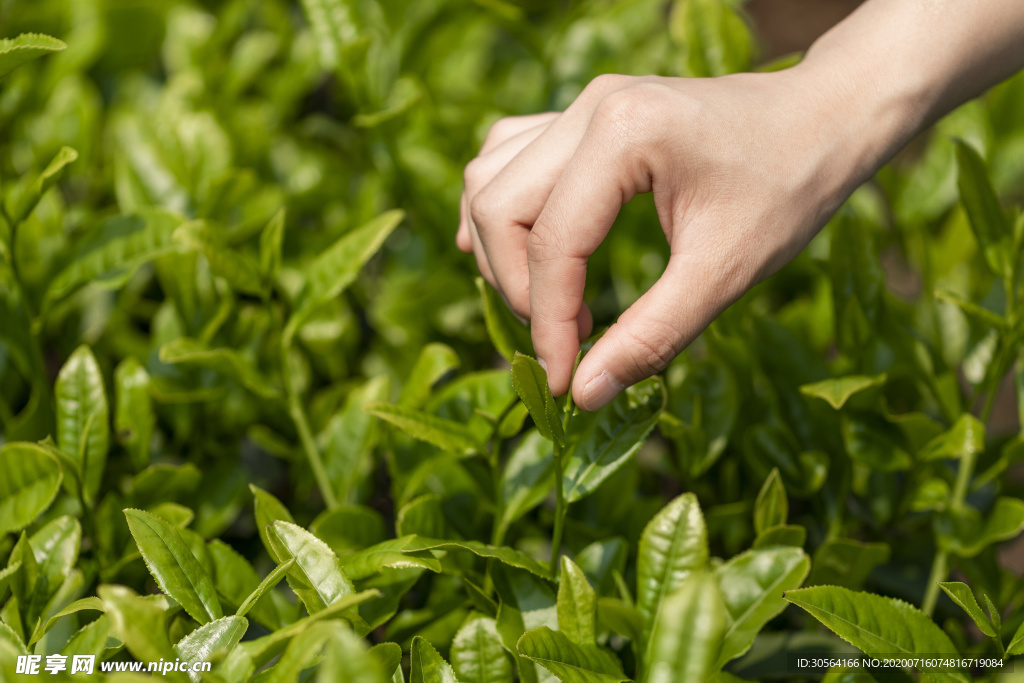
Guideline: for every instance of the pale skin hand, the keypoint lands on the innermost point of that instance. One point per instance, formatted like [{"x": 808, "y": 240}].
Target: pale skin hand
[{"x": 744, "y": 171}]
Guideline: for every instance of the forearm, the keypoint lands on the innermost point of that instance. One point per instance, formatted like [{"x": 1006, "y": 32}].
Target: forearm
[{"x": 895, "y": 66}]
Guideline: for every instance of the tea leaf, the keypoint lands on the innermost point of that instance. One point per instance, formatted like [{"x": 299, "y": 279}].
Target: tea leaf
[
  {"x": 530, "y": 382},
  {"x": 674, "y": 545},
  {"x": 110, "y": 253},
  {"x": 175, "y": 568},
  {"x": 965, "y": 437},
  {"x": 962, "y": 595},
  {"x": 877, "y": 625},
  {"x": 267, "y": 584},
  {"x": 477, "y": 655},
  {"x": 271, "y": 239},
  {"x": 445, "y": 434},
  {"x": 16, "y": 51},
  {"x": 346, "y": 658},
  {"x": 221, "y": 635},
  {"x": 83, "y": 422},
  {"x": 336, "y": 268},
  {"x": 393, "y": 554},
  {"x": 687, "y": 633},
  {"x": 576, "y": 605},
  {"x": 134, "y": 421},
  {"x": 752, "y": 585},
  {"x": 434, "y": 361},
  {"x": 846, "y": 562},
  {"x": 503, "y": 554},
  {"x": 507, "y": 333},
  {"x": 223, "y": 360},
  {"x": 771, "y": 508},
  {"x": 603, "y": 441},
  {"x": 527, "y": 478},
  {"x": 317, "y": 576},
  {"x": 836, "y": 392},
  {"x": 241, "y": 272},
  {"x": 24, "y": 196},
  {"x": 1016, "y": 646},
  {"x": 30, "y": 481},
  {"x": 991, "y": 228},
  {"x": 140, "y": 622},
  {"x": 569, "y": 661},
  {"x": 427, "y": 666}
]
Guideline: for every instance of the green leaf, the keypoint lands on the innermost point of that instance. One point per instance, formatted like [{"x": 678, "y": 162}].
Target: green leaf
[
  {"x": 268, "y": 510},
  {"x": 55, "y": 547},
  {"x": 24, "y": 196},
  {"x": 388, "y": 656},
  {"x": 771, "y": 508},
  {"x": 392, "y": 554},
  {"x": 530, "y": 382},
  {"x": 1016, "y": 646},
  {"x": 271, "y": 239},
  {"x": 961, "y": 594},
  {"x": 445, "y": 434},
  {"x": 577, "y": 604},
  {"x": 221, "y": 635},
  {"x": 603, "y": 441},
  {"x": 525, "y": 602},
  {"x": 113, "y": 250},
  {"x": 621, "y": 618},
  {"x": 236, "y": 580},
  {"x": 434, "y": 362},
  {"x": 134, "y": 420},
  {"x": 16, "y": 51},
  {"x": 346, "y": 658},
  {"x": 569, "y": 661},
  {"x": 301, "y": 653},
  {"x": 267, "y": 584},
  {"x": 427, "y": 666},
  {"x": 83, "y": 418},
  {"x": 317, "y": 576},
  {"x": 176, "y": 570},
  {"x": 507, "y": 333},
  {"x": 964, "y": 533},
  {"x": 973, "y": 310},
  {"x": 688, "y": 631},
  {"x": 503, "y": 554},
  {"x": 873, "y": 442},
  {"x": 752, "y": 585},
  {"x": 140, "y": 622},
  {"x": 990, "y": 225},
  {"x": 877, "y": 625},
  {"x": 30, "y": 481},
  {"x": 240, "y": 271},
  {"x": 846, "y": 562},
  {"x": 349, "y": 528},
  {"x": 837, "y": 391},
  {"x": 333, "y": 29},
  {"x": 90, "y": 603},
  {"x": 225, "y": 361},
  {"x": 477, "y": 655},
  {"x": 674, "y": 544},
  {"x": 527, "y": 478},
  {"x": 336, "y": 268},
  {"x": 965, "y": 437}
]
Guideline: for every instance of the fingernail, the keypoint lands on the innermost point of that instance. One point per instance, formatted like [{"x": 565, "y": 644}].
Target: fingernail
[
  {"x": 543, "y": 364},
  {"x": 600, "y": 391}
]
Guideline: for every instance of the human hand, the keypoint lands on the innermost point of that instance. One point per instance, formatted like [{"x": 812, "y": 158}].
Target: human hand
[{"x": 744, "y": 169}]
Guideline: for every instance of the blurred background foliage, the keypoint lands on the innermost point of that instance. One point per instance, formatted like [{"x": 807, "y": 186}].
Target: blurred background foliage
[{"x": 228, "y": 111}]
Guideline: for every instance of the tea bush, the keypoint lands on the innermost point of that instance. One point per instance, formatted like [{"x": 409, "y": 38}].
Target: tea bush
[{"x": 257, "y": 411}]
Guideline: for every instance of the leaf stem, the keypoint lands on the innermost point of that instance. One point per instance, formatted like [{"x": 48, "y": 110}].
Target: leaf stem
[
  {"x": 561, "y": 506},
  {"x": 316, "y": 463}
]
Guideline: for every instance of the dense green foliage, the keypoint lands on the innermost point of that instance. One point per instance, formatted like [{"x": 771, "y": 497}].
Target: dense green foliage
[{"x": 256, "y": 409}]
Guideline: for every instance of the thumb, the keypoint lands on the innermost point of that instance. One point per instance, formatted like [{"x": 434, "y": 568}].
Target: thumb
[{"x": 650, "y": 333}]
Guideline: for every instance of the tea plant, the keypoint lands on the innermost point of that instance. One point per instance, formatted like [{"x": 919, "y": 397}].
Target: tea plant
[{"x": 258, "y": 413}]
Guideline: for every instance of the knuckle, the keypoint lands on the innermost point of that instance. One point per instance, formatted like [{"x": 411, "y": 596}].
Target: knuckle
[
  {"x": 473, "y": 175},
  {"x": 540, "y": 245},
  {"x": 651, "y": 352},
  {"x": 606, "y": 83},
  {"x": 499, "y": 130},
  {"x": 481, "y": 211}
]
